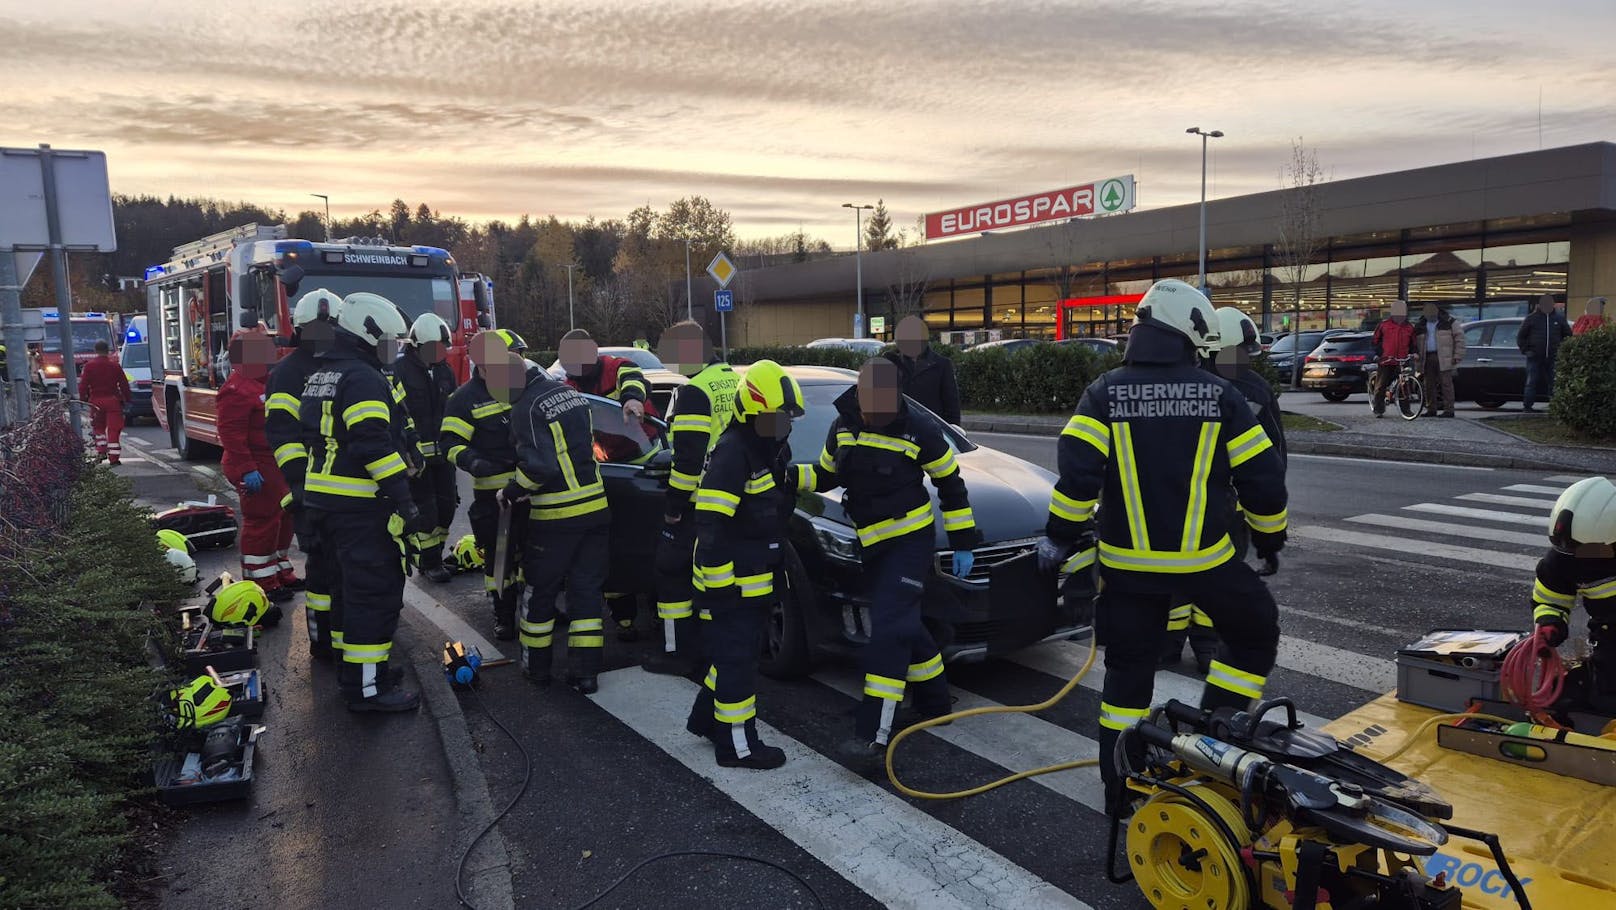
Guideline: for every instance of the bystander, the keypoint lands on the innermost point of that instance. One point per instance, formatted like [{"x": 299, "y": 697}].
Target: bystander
[{"x": 1442, "y": 339}]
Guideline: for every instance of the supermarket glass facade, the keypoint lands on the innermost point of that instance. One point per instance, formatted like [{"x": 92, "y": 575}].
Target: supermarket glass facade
[{"x": 1476, "y": 270}]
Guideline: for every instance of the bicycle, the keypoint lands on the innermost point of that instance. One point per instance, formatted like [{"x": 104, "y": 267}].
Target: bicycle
[{"x": 1406, "y": 390}]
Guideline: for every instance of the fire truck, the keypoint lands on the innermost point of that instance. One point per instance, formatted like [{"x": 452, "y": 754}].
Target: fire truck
[
  {"x": 88, "y": 328},
  {"x": 251, "y": 277}
]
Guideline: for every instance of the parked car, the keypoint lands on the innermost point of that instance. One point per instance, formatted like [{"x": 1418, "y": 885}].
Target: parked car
[
  {"x": 1340, "y": 366},
  {"x": 664, "y": 382},
  {"x": 1494, "y": 369},
  {"x": 135, "y": 358},
  {"x": 1097, "y": 345},
  {"x": 869, "y": 347},
  {"x": 1007, "y": 344},
  {"x": 823, "y": 605},
  {"x": 1289, "y": 350}
]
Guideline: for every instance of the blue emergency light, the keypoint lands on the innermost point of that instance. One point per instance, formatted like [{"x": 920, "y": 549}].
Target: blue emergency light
[
  {"x": 152, "y": 271},
  {"x": 132, "y": 336}
]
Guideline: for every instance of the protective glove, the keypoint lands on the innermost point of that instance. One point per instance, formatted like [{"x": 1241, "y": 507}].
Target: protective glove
[
  {"x": 481, "y": 467},
  {"x": 414, "y": 521},
  {"x": 633, "y": 409},
  {"x": 1051, "y": 554},
  {"x": 1267, "y": 544},
  {"x": 252, "y": 481},
  {"x": 1270, "y": 565},
  {"x": 1557, "y": 632},
  {"x": 511, "y": 495},
  {"x": 963, "y": 560}
]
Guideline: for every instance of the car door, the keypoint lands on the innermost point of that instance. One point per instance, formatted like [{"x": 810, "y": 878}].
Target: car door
[
  {"x": 634, "y": 460},
  {"x": 1470, "y": 380}
]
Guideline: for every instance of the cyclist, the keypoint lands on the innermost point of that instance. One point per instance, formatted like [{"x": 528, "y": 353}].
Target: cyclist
[{"x": 1394, "y": 340}]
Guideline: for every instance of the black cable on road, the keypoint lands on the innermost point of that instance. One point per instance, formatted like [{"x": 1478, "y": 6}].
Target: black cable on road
[{"x": 527, "y": 777}]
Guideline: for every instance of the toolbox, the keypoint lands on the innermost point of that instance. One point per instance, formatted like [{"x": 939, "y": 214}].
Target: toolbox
[
  {"x": 204, "y": 644},
  {"x": 207, "y": 525},
  {"x": 1594, "y": 763},
  {"x": 209, "y": 766},
  {"x": 1449, "y": 668},
  {"x": 248, "y": 697}
]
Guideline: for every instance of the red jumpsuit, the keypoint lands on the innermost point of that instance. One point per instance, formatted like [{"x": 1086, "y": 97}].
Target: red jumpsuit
[
  {"x": 266, "y": 527},
  {"x": 103, "y": 384}
]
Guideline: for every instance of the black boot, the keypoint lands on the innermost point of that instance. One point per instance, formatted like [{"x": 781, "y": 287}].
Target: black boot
[
  {"x": 536, "y": 665},
  {"x": 1172, "y": 648},
  {"x": 758, "y": 757},
  {"x": 700, "y": 721},
  {"x": 504, "y": 619},
  {"x": 1204, "y": 644},
  {"x": 584, "y": 685},
  {"x": 392, "y": 701},
  {"x": 681, "y": 661},
  {"x": 863, "y": 755},
  {"x": 432, "y": 566}
]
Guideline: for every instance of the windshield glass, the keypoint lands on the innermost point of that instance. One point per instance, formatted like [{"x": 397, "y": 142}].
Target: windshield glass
[
  {"x": 808, "y": 432},
  {"x": 643, "y": 359},
  {"x": 136, "y": 355},
  {"x": 416, "y": 295},
  {"x": 1286, "y": 345},
  {"x": 85, "y": 335}
]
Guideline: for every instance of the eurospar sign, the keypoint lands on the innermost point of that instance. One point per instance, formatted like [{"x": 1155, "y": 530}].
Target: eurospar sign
[{"x": 1102, "y": 197}]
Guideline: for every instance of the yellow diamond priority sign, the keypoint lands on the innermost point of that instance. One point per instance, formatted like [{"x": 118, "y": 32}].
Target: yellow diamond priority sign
[{"x": 722, "y": 270}]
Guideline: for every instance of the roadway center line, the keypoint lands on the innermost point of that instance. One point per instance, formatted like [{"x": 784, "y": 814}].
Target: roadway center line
[
  {"x": 1536, "y": 521},
  {"x": 1423, "y": 548},
  {"x": 1377, "y": 461},
  {"x": 1496, "y": 499},
  {"x": 1452, "y": 530},
  {"x": 891, "y": 850}
]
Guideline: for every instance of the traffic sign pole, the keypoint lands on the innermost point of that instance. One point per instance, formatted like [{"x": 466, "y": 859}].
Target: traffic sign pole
[
  {"x": 15, "y": 341},
  {"x": 64, "y": 294}
]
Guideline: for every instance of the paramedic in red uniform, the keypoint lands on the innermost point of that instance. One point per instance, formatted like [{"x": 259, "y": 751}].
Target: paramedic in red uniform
[
  {"x": 249, "y": 465},
  {"x": 103, "y": 384}
]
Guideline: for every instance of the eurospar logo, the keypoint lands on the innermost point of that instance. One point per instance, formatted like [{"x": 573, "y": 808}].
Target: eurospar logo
[{"x": 1102, "y": 197}]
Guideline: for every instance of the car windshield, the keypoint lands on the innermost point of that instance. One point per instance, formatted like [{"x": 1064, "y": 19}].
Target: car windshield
[
  {"x": 136, "y": 355},
  {"x": 416, "y": 295},
  {"x": 1287, "y": 345},
  {"x": 85, "y": 334},
  {"x": 643, "y": 359},
  {"x": 808, "y": 432}
]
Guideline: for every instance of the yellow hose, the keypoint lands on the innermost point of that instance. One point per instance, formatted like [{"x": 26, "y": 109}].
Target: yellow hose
[
  {"x": 1053, "y": 700},
  {"x": 1429, "y": 723}
]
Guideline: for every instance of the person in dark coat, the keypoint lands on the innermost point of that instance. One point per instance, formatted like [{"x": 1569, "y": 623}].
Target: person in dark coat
[
  {"x": 1539, "y": 339},
  {"x": 927, "y": 376}
]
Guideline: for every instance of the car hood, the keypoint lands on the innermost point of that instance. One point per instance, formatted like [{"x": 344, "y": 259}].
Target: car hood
[{"x": 1009, "y": 497}]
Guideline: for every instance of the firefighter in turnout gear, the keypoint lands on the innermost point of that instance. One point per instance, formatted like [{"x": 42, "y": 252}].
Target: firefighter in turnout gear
[
  {"x": 1154, "y": 447},
  {"x": 476, "y": 438},
  {"x": 314, "y": 320},
  {"x": 880, "y": 452},
  {"x": 266, "y": 526},
  {"x": 569, "y": 531},
  {"x": 741, "y": 510},
  {"x": 427, "y": 384},
  {"x": 356, "y": 479},
  {"x": 1582, "y": 532},
  {"x": 701, "y": 411}
]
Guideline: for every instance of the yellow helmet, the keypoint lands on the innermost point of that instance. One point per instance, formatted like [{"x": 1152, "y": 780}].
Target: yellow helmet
[
  {"x": 240, "y": 603},
  {"x": 174, "y": 540},
  {"x": 514, "y": 342},
  {"x": 765, "y": 388},
  {"x": 200, "y": 703},
  {"x": 467, "y": 555}
]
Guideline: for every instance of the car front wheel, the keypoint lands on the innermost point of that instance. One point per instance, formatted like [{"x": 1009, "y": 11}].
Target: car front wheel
[
  {"x": 786, "y": 652},
  {"x": 1335, "y": 395},
  {"x": 1491, "y": 404}
]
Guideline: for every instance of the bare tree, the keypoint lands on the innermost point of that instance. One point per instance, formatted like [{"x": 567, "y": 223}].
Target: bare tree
[
  {"x": 911, "y": 277},
  {"x": 1299, "y": 239}
]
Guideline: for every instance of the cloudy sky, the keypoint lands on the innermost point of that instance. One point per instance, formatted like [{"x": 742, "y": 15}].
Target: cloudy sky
[{"x": 781, "y": 111}]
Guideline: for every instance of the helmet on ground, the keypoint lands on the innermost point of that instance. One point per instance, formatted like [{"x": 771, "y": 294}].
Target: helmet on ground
[
  {"x": 467, "y": 555},
  {"x": 174, "y": 540},
  {"x": 1236, "y": 330},
  {"x": 371, "y": 317},
  {"x": 240, "y": 603},
  {"x": 427, "y": 328},
  {"x": 200, "y": 703},
  {"x": 768, "y": 387},
  {"x": 183, "y": 564},
  {"x": 513, "y": 342},
  {"x": 1583, "y": 521},
  {"x": 316, "y": 304},
  {"x": 1178, "y": 307}
]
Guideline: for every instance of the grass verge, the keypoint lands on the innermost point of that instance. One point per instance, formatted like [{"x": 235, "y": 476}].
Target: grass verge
[
  {"x": 1303, "y": 423},
  {"x": 1548, "y": 431}
]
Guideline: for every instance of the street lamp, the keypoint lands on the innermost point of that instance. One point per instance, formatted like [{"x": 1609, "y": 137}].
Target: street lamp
[
  {"x": 327, "y": 213},
  {"x": 858, "y": 262},
  {"x": 690, "y": 301},
  {"x": 1215, "y": 134},
  {"x": 571, "y": 324}
]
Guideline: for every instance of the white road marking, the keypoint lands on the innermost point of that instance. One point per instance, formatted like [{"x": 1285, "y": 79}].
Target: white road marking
[
  {"x": 1377, "y": 628},
  {"x": 138, "y": 441},
  {"x": 1534, "y": 488},
  {"x": 1536, "y": 521},
  {"x": 1452, "y": 530},
  {"x": 1379, "y": 461},
  {"x": 1423, "y": 548},
  {"x": 1349, "y": 668},
  {"x": 1568, "y": 479},
  {"x": 1050, "y": 438},
  {"x": 894, "y": 852},
  {"x": 448, "y": 621},
  {"x": 1018, "y": 742},
  {"x": 1497, "y": 499}
]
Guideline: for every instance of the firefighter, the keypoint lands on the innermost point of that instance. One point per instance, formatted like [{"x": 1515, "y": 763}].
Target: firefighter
[
  {"x": 702, "y": 409},
  {"x": 103, "y": 384},
  {"x": 741, "y": 510},
  {"x": 356, "y": 480},
  {"x": 314, "y": 320},
  {"x": 881, "y": 452},
  {"x": 427, "y": 385},
  {"x": 476, "y": 439},
  {"x": 1154, "y": 446},
  {"x": 1582, "y": 562},
  {"x": 248, "y": 463},
  {"x": 569, "y": 533}
]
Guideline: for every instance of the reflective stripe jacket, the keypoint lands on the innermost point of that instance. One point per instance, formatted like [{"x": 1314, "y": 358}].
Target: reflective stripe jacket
[
  {"x": 614, "y": 378},
  {"x": 477, "y": 425},
  {"x": 1255, "y": 389},
  {"x": 1156, "y": 449},
  {"x": 742, "y": 507},
  {"x": 103, "y": 377},
  {"x": 283, "y": 426},
  {"x": 1561, "y": 578},
  {"x": 347, "y": 415},
  {"x": 702, "y": 409},
  {"x": 239, "y": 409},
  {"x": 426, "y": 394},
  {"x": 554, "y": 437},
  {"x": 883, "y": 471}
]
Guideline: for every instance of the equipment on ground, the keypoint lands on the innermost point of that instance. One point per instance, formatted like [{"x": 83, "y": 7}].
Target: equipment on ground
[
  {"x": 466, "y": 555},
  {"x": 461, "y": 666},
  {"x": 202, "y": 702},
  {"x": 174, "y": 540},
  {"x": 237, "y": 603},
  {"x": 203, "y": 525},
  {"x": 183, "y": 565}
]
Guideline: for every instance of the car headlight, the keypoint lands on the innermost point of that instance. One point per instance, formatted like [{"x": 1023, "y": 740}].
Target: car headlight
[
  {"x": 837, "y": 541},
  {"x": 53, "y": 369}
]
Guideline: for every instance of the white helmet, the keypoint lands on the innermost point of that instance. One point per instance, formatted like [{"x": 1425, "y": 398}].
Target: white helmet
[
  {"x": 183, "y": 564},
  {"x": 1237, "y": 330},
  {"x": 1178, "y": 307},
  {"x": 1583, "y": 521},
  {"x": 429, "y": 327},
  {"x": 316, "y": 304},
  {"x": 372, "y": 317}
]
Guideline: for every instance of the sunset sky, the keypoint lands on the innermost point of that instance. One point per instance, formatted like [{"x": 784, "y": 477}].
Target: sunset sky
[{"x": 781, "y": 111}]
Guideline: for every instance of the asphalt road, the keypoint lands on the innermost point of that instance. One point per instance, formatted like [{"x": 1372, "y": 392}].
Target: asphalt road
[{"x": 1380, "y": 553}]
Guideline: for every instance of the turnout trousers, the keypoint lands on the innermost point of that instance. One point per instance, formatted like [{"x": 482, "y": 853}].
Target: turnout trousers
[
  {"x": 106, "y": 425},
  {"x": 322, "y": 599},
  {"x": 266, "y": 531},
  {"x": 484, "y": 517},
  {"x": 576, "y": 557},
  {"x": 434, "y": 493},
  {"x": 676, "y": 595},
  {"x": 371, "y": 582},
  {"x": 1186, "y": 620},
  {"x": 732, "y": 634},
  {"x": 1131, "y": 620},
  {"x": 901, "y": 653}
]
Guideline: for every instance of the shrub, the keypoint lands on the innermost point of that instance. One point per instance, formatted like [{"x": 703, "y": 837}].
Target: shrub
[
  {"x": 1585, "y": 384},
  {"x": 791, "y": 355},
  {"x": 1265, "y": 368},
  {"x": 1044, "y": 378}
]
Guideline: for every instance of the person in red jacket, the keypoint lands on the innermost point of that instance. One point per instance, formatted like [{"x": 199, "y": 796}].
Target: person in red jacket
[
  {"x": 103, "y": 384},
  {"x": 249, "y": 465},
  {"x": 1393, "y": 340}
]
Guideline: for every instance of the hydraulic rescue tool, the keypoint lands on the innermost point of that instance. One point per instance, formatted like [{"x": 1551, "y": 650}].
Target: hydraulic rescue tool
[{"x": 1241, "y": 812}]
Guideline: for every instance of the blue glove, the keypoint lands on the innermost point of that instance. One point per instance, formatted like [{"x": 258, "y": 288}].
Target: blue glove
[
  {"x": 253, "y": 481},
  {"x": 963, "y": 560}
]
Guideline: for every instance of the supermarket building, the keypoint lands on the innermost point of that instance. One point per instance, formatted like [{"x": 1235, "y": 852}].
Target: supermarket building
[{"x": 1482, "y": 237}]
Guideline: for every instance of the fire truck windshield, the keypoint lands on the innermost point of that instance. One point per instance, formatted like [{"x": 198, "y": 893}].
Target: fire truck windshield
[
  {"x": 85, "y": 334},
  {"x": 415, "y": 294}
]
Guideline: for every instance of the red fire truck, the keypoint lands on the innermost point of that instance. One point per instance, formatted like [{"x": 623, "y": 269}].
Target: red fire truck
[
  {"x": 251, "y": 276},
  {"x": 88, "y": 328}
]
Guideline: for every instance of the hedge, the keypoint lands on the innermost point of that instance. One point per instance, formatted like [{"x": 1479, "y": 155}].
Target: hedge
[
  {"x": 1038, "y": 379},
  {"x": 790, "y": 356},
  {"x": 1585, "y": 384}
]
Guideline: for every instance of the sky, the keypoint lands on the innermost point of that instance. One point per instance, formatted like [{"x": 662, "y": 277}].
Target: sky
[{"x": 779, "y": 112}]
